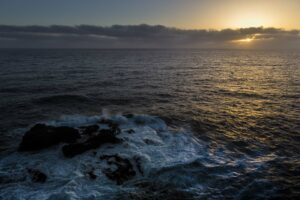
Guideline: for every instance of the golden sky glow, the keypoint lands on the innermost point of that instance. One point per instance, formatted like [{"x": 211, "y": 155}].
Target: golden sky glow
[
  {"x": 242, "y": 14},
  {"x": 246, "y": 40},
  {"x": 186, "y": 14},
  {"x": 221, "y": 19}
]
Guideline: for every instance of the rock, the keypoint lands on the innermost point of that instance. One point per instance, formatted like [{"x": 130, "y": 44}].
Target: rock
[
  {"x": 105, "y": 136},
  {"x": 129, "y": 116},
  {"x": 138, "y": 162},
  {"x": 91, "y": 175},
  {"x": 72, "y": 150},
  {"x": 42, "y": 136},
  {"x": 130, "y": 131},
  {"x": 38, "y": 137},
  {"x": 124, "y": 169},
  {"x": 67, "y": 134},
  {"x": 37, "y": 176},
  {"x": 139, "y": 121},
  {"x": 111, "y": 124},
  {"x": 116, "y": 129},
  {"x": 150, "y": 142},
  {"x": 108, "y": 132},
  {"x": 89, "y": 130}
]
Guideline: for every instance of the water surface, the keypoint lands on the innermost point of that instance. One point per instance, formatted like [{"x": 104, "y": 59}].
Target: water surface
[{"x": 242, "y": 107}]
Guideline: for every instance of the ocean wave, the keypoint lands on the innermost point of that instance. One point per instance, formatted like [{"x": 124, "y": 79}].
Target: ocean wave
[{"x": 169, "y": 163}]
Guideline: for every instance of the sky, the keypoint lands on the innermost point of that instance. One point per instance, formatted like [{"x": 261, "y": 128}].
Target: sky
[
  {"x": 196, "y": 14},
  {"x": 212, "y": 16}
]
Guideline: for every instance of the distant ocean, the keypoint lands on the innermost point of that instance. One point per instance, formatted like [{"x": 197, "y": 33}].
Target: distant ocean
[{"x": 213, "y": 124}]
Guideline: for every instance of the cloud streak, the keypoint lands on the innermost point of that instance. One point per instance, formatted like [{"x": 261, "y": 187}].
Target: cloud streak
[{"x": 143, "y": 36}]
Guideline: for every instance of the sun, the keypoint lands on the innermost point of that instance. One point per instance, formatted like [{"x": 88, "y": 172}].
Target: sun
[{"x": 246, "y": 40}]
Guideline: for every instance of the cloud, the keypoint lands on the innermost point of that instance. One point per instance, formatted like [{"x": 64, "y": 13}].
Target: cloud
[{"x": 143, "y": 36}]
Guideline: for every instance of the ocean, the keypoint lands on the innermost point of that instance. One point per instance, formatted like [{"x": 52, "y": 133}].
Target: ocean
[{"x": 208, "y": 124}]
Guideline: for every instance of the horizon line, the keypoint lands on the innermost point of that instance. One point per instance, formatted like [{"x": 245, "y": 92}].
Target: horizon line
[{"x": 157, "y": 25}]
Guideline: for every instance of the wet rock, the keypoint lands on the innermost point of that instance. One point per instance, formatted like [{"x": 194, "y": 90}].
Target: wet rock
[
  {"x": 91, "y": 175},
  {"x": 150, "y": 142},
  {"x": 116, "y": 129},
  {"x": 37, "y": 176},
  {"x": 124, "y": 169},
  {"x": 139, "y": 121},
  {"x": 89, "y": 130},
  {"x": 67, "y": 134},
  {"x": 130, "y": 131},
  {"x": 111, "y": 124},
  {"x": 105, "y": 136},
  {"x": 72, "y": 150},
  {"x": 107, "y": 132},
  {"x": 42, "y": 136},
  {"x": 138, "y": 162},
  {"x": 129, "y": 116}
]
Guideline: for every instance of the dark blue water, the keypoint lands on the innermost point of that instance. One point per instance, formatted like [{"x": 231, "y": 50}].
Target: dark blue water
[{"x": 241, "y": 106}]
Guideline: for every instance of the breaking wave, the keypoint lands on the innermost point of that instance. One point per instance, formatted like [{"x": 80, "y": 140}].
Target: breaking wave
[{"x": 170, "y": 163}]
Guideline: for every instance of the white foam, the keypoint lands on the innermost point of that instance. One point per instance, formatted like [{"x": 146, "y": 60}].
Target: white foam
[{"x": 162, "y": 151}]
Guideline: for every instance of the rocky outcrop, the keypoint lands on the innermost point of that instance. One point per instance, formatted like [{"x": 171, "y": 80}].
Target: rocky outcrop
[
  {"x": 130, "y": 131},
  {"x": 103, "y": 137},
  {"x": 91, "y": 137},
  {"x": 37, "y": 176},
  {"x": 42, "y": 136},
  {"x": 111, "y": 124},
  {"x": 91, "y": 175},
  {"x": 124, "y": 169},
  {"x": 89, "y": 130}
]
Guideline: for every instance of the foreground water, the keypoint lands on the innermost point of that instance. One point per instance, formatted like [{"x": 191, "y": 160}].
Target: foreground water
[{"x": 224, "y": 124}]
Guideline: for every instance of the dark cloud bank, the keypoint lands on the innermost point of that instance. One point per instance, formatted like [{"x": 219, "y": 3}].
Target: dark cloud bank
[{"x": 143, "y": 36}]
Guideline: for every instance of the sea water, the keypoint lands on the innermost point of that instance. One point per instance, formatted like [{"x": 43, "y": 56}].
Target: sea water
[{"x": 216, "y": 124}]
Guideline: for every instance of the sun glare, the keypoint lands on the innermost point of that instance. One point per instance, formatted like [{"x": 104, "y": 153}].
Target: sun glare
[
  {"x": 245, "y": 18},
  {"x": 246, "y": 40}
]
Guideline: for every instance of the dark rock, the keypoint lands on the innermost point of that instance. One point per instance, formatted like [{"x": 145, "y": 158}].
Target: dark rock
[
  {"x": 112, "y": 125},
  {"x": 138, "y": 162},
  {"x": 124, "y": 169},
  {"x": 38, "y": 137},
  {"x": 129, "y": 116},
  {"x": 109, "y": 122},
  {"x": 92, "y": 175},
  {"x": 130, "y": 131},
  {"x": 67, "y": 134},
  {"x": 105, "y": 136},
  {"x": 89, "y": 130},
  {"x": 149, "y": 141},
  {"x": 139, "y": 121},
  {"x": 107, "y": 132},
  {"x": 116, "y": 129},
  {"x": 42, "y": 136},
  {"x": 37, "y": 176},
  {"x": 72, "y": 150}
]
